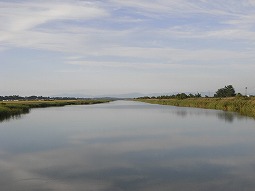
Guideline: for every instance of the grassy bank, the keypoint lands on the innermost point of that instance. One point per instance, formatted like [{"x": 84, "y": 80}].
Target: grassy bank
[
  {"x": 14, "y": 108},
  {"x": 242, "y": 105}
]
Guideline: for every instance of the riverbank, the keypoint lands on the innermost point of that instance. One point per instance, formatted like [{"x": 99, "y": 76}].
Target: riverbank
[
  {"x": 15, "y": 108},
  {"x": 243, "y": 105}
]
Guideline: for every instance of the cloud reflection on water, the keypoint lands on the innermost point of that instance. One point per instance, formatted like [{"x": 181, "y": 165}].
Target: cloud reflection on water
[{"x": 144, "y": 147}]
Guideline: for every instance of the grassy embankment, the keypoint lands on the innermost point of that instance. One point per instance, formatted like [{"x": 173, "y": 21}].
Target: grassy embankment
[
  {"x": 14, "y": 108},
  {"x": 242, "y": 105}
]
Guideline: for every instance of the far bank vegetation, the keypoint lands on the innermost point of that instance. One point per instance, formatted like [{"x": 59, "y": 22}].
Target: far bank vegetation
[{"x": 224, "y": 99}]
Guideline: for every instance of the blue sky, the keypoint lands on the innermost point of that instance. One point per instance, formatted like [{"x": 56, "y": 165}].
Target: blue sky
[{"x": 100, "y": 47}]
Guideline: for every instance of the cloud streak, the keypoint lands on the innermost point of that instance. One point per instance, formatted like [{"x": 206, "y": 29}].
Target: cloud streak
[
  {"x": 22, "y": 19},
  {"x": 56, "y": 26},
  {"x": 132, "y": 35}
]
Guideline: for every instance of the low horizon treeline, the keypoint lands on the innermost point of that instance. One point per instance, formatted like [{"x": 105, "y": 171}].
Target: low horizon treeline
[
  {"x": 185, "y": 96},
  {"x": 31, "y": 98},
  {"x": 227, "y": 91},
  {"x": 174, "y": 96}
]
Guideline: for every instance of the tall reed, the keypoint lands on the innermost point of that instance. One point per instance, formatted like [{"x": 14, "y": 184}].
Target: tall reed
[
  {"x": 14, "y": 108},
  {"x": 243, "y": 105}
]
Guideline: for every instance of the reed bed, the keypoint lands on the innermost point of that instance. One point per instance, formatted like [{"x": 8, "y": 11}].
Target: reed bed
[
  {"x": 244, "y": 105},
  {"x": 13, "y": 108}
]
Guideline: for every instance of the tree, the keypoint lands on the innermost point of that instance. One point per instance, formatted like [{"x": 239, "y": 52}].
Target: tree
[
  {"x": 198, "y": 95},
  {"x": 227, "y": 91},
  {"x": 181, "y": 96}
]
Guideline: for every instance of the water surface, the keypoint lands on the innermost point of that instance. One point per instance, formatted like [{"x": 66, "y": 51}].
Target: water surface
[{"x": 127, "y": 145}]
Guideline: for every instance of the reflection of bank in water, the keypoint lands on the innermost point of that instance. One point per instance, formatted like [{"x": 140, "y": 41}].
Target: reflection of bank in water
[
  {"x": 242, "y": 105},
  {"x": 222, "y": 115},
  {"x": 228, "y": 117},
  {"x": 14, "y": 109},
  {"x": 9, "y": 117}
]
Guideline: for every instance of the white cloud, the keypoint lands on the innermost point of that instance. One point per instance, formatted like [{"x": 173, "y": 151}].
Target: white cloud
[
  {"x": 19, "y": 18},
  {"x": 183, "y": 7},
  {"x": 138, "y": 35},
  {"x": 171, "y": 58},
  {"x": 20, "y": 22},
  {"x": 175, "y": 55},
  {"x": 245, "y": 22}
]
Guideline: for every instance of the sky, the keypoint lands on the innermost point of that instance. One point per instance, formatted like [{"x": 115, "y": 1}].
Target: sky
[{"x": 102, "y": 47}]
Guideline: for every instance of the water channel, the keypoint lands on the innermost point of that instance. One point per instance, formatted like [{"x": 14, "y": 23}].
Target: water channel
[{"x": 127, "y": 146}]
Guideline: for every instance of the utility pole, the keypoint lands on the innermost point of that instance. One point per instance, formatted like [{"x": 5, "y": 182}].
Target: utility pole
[{"x": 245, "y": 91}]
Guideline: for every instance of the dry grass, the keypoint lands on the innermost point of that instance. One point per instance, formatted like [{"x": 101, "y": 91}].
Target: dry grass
[
  {"x": 12, "y": 108},
  {"x": 243, "y": 105}
]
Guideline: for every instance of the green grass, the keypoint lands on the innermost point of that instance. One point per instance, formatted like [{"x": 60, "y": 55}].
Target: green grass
[
  {"x": 243, "y": 106},
  {"x": 14, "y": 108}
]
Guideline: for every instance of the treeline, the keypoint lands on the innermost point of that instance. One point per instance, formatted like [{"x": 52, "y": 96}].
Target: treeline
[
  {"x": 175, "y": 96},
  {"x": 39, "y": 98},
  {"x": 227, "y": 91}
]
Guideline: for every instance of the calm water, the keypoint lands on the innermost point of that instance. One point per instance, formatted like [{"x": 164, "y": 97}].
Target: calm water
[{"x": 127, "y": 145}]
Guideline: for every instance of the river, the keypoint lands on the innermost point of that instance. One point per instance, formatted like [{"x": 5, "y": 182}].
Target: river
[{"x": 127, "y": 146}]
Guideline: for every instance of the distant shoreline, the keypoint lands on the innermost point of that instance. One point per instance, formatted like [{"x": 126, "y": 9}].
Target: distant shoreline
[
  {"x": 10, "y": 109},
  {"x": 244, "y": 106}
]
